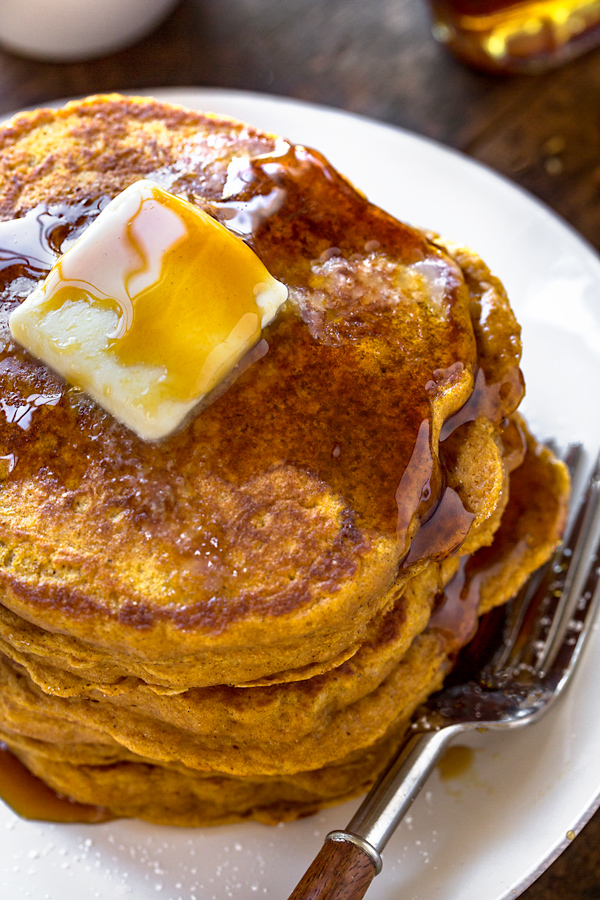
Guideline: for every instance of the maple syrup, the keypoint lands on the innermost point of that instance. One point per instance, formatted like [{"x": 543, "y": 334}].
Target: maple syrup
[
  {"x": 33, "y": 241},
  {"x": 456, "y": 614},
  {"x": 455, "y": 762},
  {"x": 30, "y": 798}
]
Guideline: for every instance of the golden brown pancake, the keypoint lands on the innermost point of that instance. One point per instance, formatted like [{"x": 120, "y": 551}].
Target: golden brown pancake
[
  {"x": 97, "y": 749},
  {"x": 237, "y": 620}
]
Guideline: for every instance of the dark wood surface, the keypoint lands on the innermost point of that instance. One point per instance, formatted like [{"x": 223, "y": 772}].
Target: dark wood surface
[{"x": 375, "y": 58}]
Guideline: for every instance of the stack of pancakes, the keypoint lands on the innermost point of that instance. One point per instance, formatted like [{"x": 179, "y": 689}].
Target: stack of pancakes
[{"x": 238, "y": 621}]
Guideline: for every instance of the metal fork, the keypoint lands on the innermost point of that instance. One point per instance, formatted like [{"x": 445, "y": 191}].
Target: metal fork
[{"x": 525, "y": 668}]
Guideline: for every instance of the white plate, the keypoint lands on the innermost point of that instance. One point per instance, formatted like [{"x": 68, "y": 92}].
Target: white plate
[{"x": 486, "y": 834}]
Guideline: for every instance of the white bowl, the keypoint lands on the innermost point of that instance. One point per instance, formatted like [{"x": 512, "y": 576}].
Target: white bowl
[{"x": 69, "y": 30}]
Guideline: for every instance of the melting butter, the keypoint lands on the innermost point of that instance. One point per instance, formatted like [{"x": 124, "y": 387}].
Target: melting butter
[{"x": 150, "y": 309}]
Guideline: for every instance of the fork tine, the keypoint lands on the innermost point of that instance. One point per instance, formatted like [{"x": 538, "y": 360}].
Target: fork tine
[
  {"x": 567, "y": 651},
  {"x": 525, "y": 605},
  {"x": 580, "y": 576},
  {"x": 554, "y": 598},
  {"x": 530, "y": 601}
]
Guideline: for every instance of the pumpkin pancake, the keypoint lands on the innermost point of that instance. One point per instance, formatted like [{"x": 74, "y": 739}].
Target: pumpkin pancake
[
  {"x": 76, "y": 745},
  {"x": 267, "y": 735},
  {"x": 238, "y": 620}
]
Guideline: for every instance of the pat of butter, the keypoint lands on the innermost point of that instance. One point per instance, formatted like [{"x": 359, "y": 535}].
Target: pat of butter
[{"x": 150, "y": 308}]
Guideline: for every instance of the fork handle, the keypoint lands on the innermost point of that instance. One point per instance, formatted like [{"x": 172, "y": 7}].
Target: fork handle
[
  {"x": 344, "y": 871},
  {"x": 393, "y": 794},
  {"x": 340, "y": 871}
]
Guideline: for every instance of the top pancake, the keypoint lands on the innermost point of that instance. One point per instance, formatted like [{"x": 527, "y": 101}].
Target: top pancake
[{"x": 271, "y": 527}]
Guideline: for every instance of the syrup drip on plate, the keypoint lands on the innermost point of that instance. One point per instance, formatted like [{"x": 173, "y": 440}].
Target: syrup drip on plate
[
  {"x": 30, "y": 798},
  {"x": 456, "y": 761}
]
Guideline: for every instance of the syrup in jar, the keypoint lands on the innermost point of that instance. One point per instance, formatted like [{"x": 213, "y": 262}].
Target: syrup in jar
[{"x": 517, "y": 35}]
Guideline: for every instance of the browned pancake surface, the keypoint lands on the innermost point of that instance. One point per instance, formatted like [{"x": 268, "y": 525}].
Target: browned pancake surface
[{"x": 291, "y": 498}]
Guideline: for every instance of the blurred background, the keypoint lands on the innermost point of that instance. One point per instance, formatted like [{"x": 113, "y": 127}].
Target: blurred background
[{"x": 378, "y": 59}]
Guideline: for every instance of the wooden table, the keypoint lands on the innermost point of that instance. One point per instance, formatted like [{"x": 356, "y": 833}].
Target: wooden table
[{"x": 375, "y": 58}]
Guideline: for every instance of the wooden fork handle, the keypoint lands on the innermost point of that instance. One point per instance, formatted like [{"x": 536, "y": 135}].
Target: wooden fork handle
[{"x": 340, "y": 871}]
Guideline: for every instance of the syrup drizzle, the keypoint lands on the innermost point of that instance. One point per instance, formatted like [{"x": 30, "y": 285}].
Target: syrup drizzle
[
  {"x": 33, "y": 242},
  {"x": 456, "y": 615},
  {"x": 489, "y": 399},
  {"x": 21, "y": 413}
]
